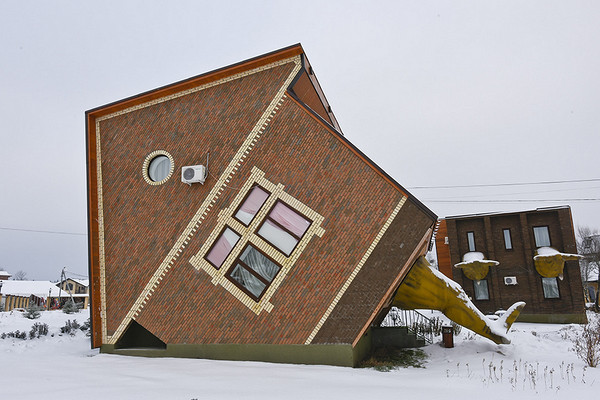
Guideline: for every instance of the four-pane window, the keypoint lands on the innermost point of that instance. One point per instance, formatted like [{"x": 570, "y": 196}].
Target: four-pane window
[{"x": 283, "y": 228}]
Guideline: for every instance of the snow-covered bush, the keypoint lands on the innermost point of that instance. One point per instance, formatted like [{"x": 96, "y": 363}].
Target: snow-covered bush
[
  {"x": 16, "y": 334},
  {"x": 38, "y": 329},
  {"x": 433, "y": 326},
  {"x": 456, "y": 328},
  {"x": 587, "y": 344},
  {"x": 70, "y": 307},
  {"x": 86, "y": 327},
  {"x": 33, "y": 311},
  {"x": 70, "y": 327}
]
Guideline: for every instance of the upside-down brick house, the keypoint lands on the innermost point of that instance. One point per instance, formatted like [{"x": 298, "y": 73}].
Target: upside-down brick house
[
  {"x": 290, "y": 249},
  {"x": 512, "y": 240}
]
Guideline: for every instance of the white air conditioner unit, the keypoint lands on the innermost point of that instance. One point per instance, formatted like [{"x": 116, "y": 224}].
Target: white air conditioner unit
[
  {"x": 193, "y": 174},
  {"x": 510, "y": 280}
]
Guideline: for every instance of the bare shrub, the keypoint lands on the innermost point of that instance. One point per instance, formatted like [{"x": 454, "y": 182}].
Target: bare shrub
[{"x": 587, "y": 344}]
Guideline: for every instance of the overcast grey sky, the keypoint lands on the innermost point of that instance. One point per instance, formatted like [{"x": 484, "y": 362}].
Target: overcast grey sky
[{"x": 435, "y": 92}]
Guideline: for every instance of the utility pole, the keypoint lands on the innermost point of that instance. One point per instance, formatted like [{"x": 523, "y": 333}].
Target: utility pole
[{"x": 63, "y": 278}]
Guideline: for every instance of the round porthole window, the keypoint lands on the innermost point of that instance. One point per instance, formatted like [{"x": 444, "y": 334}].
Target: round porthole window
[{"x": 158, "y": 167}]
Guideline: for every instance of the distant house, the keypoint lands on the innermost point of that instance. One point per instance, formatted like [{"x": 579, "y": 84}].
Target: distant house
[
  {"x": 20, "y": 294},
  {"x": 230, "y": 218},
  {"x": 591, "y": 287},
  {"x": 4, "y": 276},
  {"x": 78, "y": 288},
  {"x": 513, "y": 245}
]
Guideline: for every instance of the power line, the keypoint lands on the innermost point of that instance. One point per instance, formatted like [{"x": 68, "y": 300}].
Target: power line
[
  {"x": 40, "y": 231},
  {"x": 518, "y": 193},
  {"x": 504, "y": 184},
  {"x": 510, "y": 201}
]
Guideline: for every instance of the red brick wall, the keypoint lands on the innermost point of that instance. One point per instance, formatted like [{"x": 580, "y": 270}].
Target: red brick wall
[
  {"x": 518, "y": 262},
  {"x": 143, "y": 222}
]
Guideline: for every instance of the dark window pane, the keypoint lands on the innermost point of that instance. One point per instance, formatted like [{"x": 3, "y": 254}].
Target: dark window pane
[
  {"x": 259, "y": 263},
  {"x": 248, "y": 280}
]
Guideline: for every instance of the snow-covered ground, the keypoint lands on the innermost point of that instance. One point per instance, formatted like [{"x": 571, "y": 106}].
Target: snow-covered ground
[{"x": 538, "y": 363}]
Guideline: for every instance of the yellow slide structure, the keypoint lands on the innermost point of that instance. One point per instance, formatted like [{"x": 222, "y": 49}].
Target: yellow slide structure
[{"x": 427, "y": 288}]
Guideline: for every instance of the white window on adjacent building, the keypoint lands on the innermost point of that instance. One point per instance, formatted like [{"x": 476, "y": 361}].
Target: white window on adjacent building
[
  {"x": 541, "y": 236},
  {"x": 507, "y": 239},
  {"x": 471, "y": 240},
  {"x": 550, "y": 286},
  {"x": 481, "y": 290}
]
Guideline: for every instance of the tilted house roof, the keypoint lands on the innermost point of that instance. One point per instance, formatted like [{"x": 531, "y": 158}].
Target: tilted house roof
[{"x": 295, "y": 238}]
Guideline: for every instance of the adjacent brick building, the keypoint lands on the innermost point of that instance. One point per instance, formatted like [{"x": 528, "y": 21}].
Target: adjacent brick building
[
  {"x": 512, "y": 239},
  {"x": 293, "y": 245}
]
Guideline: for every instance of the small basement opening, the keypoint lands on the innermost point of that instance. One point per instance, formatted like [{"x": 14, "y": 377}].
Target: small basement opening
[{"x": 136, "y": 337}]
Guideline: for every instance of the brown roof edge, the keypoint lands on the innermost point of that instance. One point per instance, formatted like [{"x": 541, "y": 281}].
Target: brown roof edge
[
  {"x": 93, "y": 236},
  {"x": 197, "y": 80}
]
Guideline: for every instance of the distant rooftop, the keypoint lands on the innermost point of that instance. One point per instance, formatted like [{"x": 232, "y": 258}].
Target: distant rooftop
[
  {"x": 28, "y": 288},
  {"x": 506, "y": 212}
]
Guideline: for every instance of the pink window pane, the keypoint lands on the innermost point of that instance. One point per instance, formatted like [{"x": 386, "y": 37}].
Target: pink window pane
[
  {"x": 251, "y": 205},
  {"x": 289, "y": 219},
  {"x": 222, "y": 247}
]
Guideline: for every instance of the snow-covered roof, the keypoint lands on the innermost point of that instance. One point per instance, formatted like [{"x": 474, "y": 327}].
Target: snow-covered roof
[
  {"x": 83, "y": 282},
  {"x": 28, "y": 288},
  {"x": 4, "y": 273},
  {"x": 505, "y": 212}
]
